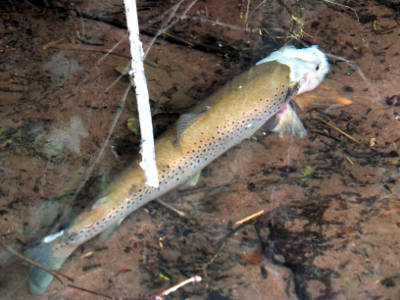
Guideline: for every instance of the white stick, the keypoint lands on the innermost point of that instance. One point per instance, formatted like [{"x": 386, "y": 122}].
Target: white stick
[
  {"x": 148, "y": 163},
  {"x": 195, "y": 278}
]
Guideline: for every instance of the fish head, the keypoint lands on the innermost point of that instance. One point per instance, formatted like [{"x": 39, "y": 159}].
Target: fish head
[{"x": 308, "y": 66}]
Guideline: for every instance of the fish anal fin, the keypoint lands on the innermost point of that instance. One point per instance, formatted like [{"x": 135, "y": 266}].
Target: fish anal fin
[{"x": 110, "y": 230}]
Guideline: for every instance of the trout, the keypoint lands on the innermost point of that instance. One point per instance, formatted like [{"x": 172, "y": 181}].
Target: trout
[{"x": 224, "y": 119}]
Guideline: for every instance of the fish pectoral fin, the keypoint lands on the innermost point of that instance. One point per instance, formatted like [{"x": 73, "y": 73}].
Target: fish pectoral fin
[
  {"x": 286, "y": 121},
  {"x": 192, "y": 181}
]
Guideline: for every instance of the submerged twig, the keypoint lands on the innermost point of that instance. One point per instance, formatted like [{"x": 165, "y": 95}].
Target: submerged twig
[
  {"x": 248, "y": 218},
  {"x": 166, "y": 27},
  {"x": 349, "y": 159},
  {"x": 90, "y": 291},
  {"x": 72, "y": 47},
  {"x": 220, "y": 245},
  {"x": 51, "y": 44},
  {"x": 246, "y": 17},
  {"x": 57, "y": 275},
  {"x": 170, "y": 207},
  {"x": 337, "y": 129},
  {"x": 106, "y": 141},
  {"x": 357, "y": 69},
  {"x": 343, "y": 6},
  {"x": 214, "y": 22},
  {"x": 165, "y": 23},
  {"x": 172, "y": 289}
]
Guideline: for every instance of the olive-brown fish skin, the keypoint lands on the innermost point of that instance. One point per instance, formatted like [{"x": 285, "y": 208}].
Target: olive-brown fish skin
[{"x": 227, "y": 117}]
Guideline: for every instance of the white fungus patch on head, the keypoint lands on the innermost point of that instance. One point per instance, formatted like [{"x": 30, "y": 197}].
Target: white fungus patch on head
[{"x": 308, "y": 66}]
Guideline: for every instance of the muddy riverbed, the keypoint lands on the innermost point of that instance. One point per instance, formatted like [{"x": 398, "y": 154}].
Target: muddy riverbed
[{"x": 331, "y": 222}]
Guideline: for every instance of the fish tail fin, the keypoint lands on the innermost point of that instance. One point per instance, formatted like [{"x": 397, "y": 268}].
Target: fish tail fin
[{"x": 42, "y": 252}]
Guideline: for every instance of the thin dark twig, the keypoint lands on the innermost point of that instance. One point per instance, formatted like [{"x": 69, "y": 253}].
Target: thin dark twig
[
  {"x": 89, "y": 291},
  {"x": 58, "y": 275},
  {"x": 221, "y": 243},
  {"x": 55, "y": 273}
]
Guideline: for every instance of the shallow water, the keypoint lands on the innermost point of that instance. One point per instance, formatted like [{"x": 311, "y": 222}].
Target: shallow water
[{"x": 331, "y": 224}]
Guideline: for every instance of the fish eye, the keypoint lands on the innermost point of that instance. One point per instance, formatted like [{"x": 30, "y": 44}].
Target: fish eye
[{"x": 317, "y": 68}]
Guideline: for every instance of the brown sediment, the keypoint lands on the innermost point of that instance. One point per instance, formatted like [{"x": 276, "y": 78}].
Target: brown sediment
[{"x": 327, "y": 233}]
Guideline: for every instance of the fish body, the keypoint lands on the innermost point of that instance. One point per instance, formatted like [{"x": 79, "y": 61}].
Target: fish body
[{"x": 224, "y": 119}]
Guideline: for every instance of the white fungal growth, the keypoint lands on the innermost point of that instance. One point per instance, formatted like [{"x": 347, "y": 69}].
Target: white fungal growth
[
  {"x": 51, "y": 237},
  {"x": 308, "y": 66}
]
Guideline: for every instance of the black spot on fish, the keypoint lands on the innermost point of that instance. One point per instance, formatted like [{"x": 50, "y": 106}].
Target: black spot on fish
[{"x": 72, "y": 237}]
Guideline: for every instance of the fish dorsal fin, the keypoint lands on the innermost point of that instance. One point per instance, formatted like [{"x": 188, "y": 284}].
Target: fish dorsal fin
[
  {"x": 286, "y": 121},
  {"x": 184, "y": 121}
]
